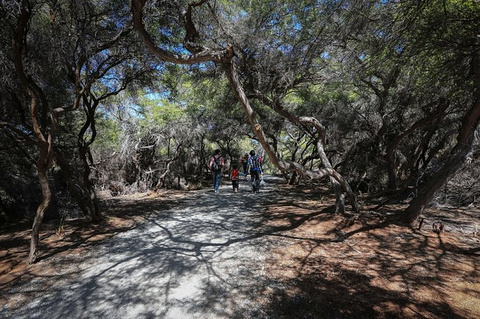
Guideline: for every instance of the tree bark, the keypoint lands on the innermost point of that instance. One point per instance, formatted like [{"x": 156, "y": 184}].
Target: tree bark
[
  {"x": 226, "y": 58},
  {"x": 40, "y": 213},
  {"x": 339, "y": 194},
  {"x": 230, "y": 69},
  {"x": 303, "y": 123},
  {"x": 205, "y": 55},
  {"x": 458, "y": 155},
  {"x": 45, "y": 141},
  {"x": 92, "y": 207}
]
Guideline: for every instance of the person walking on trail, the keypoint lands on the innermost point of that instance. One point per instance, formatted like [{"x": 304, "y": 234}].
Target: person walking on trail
[
  {"x": 235, "y": 176},
  {"x": 244, "y": 161},
  {"x": 216, "y": 165},
  {"x": 254, "y": 166}
]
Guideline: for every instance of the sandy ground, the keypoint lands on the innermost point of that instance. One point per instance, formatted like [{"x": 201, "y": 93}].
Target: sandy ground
[
  {"x": 201, "y": 258},
  {"x": 277, "y": 254}
]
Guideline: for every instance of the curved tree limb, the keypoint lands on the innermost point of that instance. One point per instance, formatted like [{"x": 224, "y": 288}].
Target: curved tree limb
[
  {"x": 45, "y": 141},
  {"x": 206, "y": 55},
  {"x": 304, "y": 123},
  {"x": 284, "y": 166},
  {"x": 457, "y": 156},
  {"x": 225, "y": 57}
]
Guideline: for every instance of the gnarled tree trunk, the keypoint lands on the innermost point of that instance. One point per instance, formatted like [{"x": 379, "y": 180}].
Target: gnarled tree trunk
[
  {"x": 40, "y": 213},
  {"x": 458, "y": 155},
  {"x": 230, "y": 69},
  {"x": 226, "y": 58},
  {"x": 45, "y": 140}
]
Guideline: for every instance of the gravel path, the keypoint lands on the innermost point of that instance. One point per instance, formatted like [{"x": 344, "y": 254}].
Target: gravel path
[{"x": 203, "y": 258}]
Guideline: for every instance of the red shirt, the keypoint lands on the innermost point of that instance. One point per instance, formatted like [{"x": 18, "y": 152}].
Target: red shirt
[{"x": 235, "y": 175}]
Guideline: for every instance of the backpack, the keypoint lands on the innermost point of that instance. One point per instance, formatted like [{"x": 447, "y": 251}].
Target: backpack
[
  {"x": 216, "y": 164},
  {"x": 256, "y": 163}
]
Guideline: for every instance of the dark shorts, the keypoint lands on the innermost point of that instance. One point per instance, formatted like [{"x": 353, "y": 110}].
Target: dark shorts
[{"x": 235, "y": 184}]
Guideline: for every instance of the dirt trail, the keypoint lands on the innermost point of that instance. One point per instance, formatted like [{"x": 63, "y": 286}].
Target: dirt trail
[
  {"x": 278, "y": 254},
  {"x": 201, "y": 258}
]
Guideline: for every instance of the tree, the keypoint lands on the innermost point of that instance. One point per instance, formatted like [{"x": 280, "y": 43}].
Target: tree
[
  {"x": 225, "y": 58},
  {"x": 80, "y": 61},
  {"x": 399, "y": 54},
  {"x": 413, "y": 75},
  {"x": 457, "y": 47}
]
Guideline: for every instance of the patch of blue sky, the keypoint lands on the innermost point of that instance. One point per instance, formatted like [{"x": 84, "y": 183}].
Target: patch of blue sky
[
  {"x": 21, "y": 128},
  {"x": 160, "y": 67},
  {"x": 158, "y": 95},
  {"x": 341, "y": 4},
  {"x": 285, "y": 47},
  {"x": 237, "y": 15},
  {"x": 126, "y": 105},
  {"x": 381, "y": 2},
  {"x": 177, "y": 48},
  {"x": 296, "y": 24},
  {"x": 98, "y": 60},
  {"x": 118, "y": 21},
  {"x": 111, "y": 83},
  {"x": 273, "y": 44},
  {"x": 275, "y": 18},
  {"x": 398, "y": 48},
  {"x": 165, "y": 31},
  {"x": 135, "y": 111},
  {"x": 294, "y": 29},
  {"x": 380, "y": 33}
]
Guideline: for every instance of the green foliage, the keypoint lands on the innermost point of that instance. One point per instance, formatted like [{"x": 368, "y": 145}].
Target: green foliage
[
  {"x": 162, "y": 111},
  {"x": 109, "y": 131},
  {"x": 369, "y": 71}
]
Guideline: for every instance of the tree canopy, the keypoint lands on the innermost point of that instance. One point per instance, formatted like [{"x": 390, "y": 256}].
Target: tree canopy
[{"x": 381, "y": 97}]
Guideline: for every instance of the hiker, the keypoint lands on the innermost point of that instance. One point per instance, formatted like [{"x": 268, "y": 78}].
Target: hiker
[
  {"x": 255, "y": 168},
  {"x": 216, "y": 165},
  {"x": 235, "y": 176},
  {"x": 244, "y": 161}
]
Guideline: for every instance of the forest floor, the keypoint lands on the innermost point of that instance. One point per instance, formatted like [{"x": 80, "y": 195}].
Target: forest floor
[{"x": 281, "y": 253}]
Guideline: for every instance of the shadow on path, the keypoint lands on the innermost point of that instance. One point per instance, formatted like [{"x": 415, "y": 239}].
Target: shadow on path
[{"x": 207, "y": 255}]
